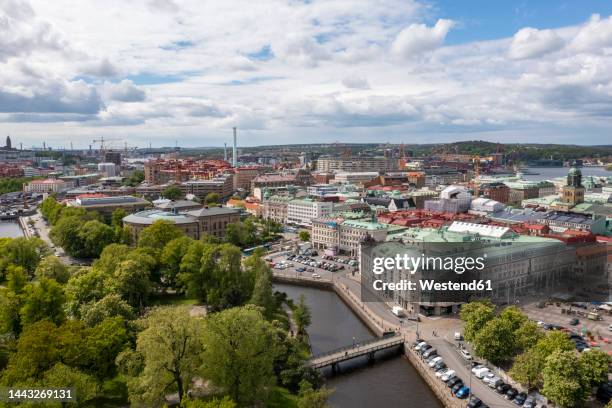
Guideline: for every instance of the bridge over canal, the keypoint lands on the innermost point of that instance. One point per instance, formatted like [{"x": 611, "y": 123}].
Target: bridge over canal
[{"x": 369, "y": 348}]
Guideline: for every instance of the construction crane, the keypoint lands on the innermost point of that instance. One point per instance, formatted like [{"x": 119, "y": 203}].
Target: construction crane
[{"x": 103, "y": 143}]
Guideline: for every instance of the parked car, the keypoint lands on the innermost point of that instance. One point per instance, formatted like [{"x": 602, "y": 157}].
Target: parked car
[
  {"x": 430, "y": 352},
  {"x": 511, "y": 393},
  {"x": 454, "y": 381},
  {"x": 520, "y": 398},
  {"x": 502, "y": 388},
  {"x": 434, "y": 360},
  {"x": 530, "y": 402},
  {"x": 574, "y": 321},
  {"x": 439, "y": 365},
  {"x": 475, "y": 402},
  {"x": 495, "y": 382},
  {"x": 448, "y": 375},
  {"x": 465, "y": 354},
  {"x": 457, "y": 387},
  {"x": 463, "y": 392},
  {"x": 480, "y": 372}
]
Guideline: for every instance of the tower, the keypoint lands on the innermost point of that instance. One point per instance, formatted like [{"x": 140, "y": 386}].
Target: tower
[
  {"x": 235, "y": 151},
  {"x": 8, "y": 143},
  {"x": 573, "y": 192},
  {"x": 225, "y": 151}
]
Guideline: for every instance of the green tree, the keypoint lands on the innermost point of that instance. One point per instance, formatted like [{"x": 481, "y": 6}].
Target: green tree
[
  {"x": 170, "y": 346},
  {"x": 594, "y": 366},
  {"x": 65, "y": 233},
  {"x": 10, "y": 321},
  {"x": 495, "y": 341},
  {"x": 109, "y": 306},
  {"x": 86, "y": 286},
  {"x": 158, "y": 234},
  {"x": 476, "y": 315},
  {"x": 24, "y": 252},
  {"x": 311, "y": 398},
  {"x": 171, "y": 258},
  {"x": 85, "y": 387},
  {"x": 111, "y": 257},
  {"x": 262, "y": 294},
  {"x": 132, "y": 282},
  {"x": 172, "y": 193},
  {"x": 304, "y": 236},
  {"x": 94, "y": 236},
  {"x": 563, "y": 383},
  {"x": 52, "y": 267},
  {"x": 117, "y": 217},
  {"x": 527, "y": 335},
  {"x": 224, "y": 402},
  {"x": 36, "y": 352},
  {"x": 43, "y": 300},
  {"x": 212, "y": 199},
  {"x": 239, "y": 354},
  {"x": 16, "y": 279},
  {"x": 302, "y": 316},
  {"x": 198, "y": 268}
]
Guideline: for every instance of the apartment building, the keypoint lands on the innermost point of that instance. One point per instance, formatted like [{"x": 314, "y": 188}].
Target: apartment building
[
  {"x": 356, "y": 164},
  {"x": 302, "y": 212}
]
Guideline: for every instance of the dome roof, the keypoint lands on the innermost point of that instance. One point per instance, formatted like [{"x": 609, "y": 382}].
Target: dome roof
[{"x": 574, "y": 171}]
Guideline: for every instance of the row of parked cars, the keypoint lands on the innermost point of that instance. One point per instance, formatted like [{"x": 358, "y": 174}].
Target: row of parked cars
[
  {"x": 460, "y": 390},
  {"x": 305, "y": 260},
  {"x": 347, "y": 261},
  {"x": 578, "y": 340},
  {"x": 444, "y": 373}
]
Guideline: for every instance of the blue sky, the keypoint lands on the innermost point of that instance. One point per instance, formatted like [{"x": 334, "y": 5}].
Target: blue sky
[{"x": 285, "y": 71}]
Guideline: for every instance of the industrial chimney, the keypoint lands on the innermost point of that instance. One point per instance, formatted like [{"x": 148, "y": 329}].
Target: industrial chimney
[
  {"x": 225, "y": 151},
  {"x": 234, "y": 151}
]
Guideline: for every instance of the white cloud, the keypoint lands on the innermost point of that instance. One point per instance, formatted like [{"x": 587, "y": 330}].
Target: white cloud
[
  {"x": 418, "y": 38},
  {"x": 292, "y": 71},
  {"x": 595, "y": 35},
  {"x": 531, "y": 43}
]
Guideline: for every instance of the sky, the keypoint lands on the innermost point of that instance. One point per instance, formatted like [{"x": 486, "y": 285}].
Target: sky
[{"x": 161, "y": 72}]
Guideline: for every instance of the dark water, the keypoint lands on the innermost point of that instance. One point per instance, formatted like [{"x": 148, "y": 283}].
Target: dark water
[
  {"x": 391, "y": 382},
  {"x": 547, "y": 173},
  {"x": 9, "y": 229}
]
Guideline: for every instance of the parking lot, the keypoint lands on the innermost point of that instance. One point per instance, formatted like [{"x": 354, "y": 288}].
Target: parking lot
[{"x": 316, "y": 266}]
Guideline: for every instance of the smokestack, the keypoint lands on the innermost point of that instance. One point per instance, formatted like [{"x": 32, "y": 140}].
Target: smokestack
[
  {"x": 234, "y": 151},
  {"x": 225, "y": 151}
]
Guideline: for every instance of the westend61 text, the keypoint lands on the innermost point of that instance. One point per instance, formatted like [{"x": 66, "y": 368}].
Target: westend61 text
[{"x": 432, "y": 285}]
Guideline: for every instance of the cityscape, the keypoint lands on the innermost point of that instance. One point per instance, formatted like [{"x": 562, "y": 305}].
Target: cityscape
[{"x": 305, "y": 204}]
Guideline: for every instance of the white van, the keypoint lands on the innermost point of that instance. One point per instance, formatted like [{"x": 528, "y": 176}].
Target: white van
[
  {"x": 398, "y": 311},
  {"x": 480, "y": 371}
]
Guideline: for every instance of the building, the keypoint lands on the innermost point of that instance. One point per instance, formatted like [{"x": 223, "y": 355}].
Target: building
[
  {"x": 344, "y": 233},
  {"x": 108, "y": 169},
  {"x": 517, "y": 265},
  {"x": 303, "y": 211},
  {"x": 244, "y": 175},
  {"x": 176, "y": 205},
  {"x": 559, "y": 221},
  {"x": 356, "y": 164},
  {"x": 355, "y": 177},
  {"x": 497, "y": 191},
  {"x": 47, "y": 186},
  {"x": 194, "y": 223},
  {"x": 113, "y": 157},
  {"x": 453, "y": 199},
  {"x": 321, "y": 190},
  {"x": 105, "y": 204},
  {"x": 137, "y": 222},
  {"x": 299, "y": 178},
  {"x": 214, "y": 220},
  {"x": 275, "y": 208},
  {"x": 573, "y": 191},
  {"x": 483, "y": 206},
  {"x": 522, "y": 190}
]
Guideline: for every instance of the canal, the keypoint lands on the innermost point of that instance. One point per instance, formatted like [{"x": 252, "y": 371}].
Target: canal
[
  {"x": 391, "y": 382},
  {"x": 10, "y": 229}
]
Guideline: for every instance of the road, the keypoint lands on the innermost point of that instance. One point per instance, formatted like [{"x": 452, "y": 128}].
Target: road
[
  {"x": 453, "y": 359},
  {"x": 43, "y": 233}
]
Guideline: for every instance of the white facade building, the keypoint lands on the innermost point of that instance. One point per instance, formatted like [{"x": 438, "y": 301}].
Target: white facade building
[
  {"x": 109, "y": 169},
  {"x": 302, "y": 212}
]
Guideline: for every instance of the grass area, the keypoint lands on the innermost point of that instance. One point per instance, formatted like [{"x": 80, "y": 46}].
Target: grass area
[
  {"x": 172, "y": 299},
  {"x": 282, "y": 398}
]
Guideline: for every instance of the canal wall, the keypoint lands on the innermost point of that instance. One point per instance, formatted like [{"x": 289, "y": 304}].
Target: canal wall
[
  {"x": 438, "y": 387},
  {"x": 23, "y": 224}
]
